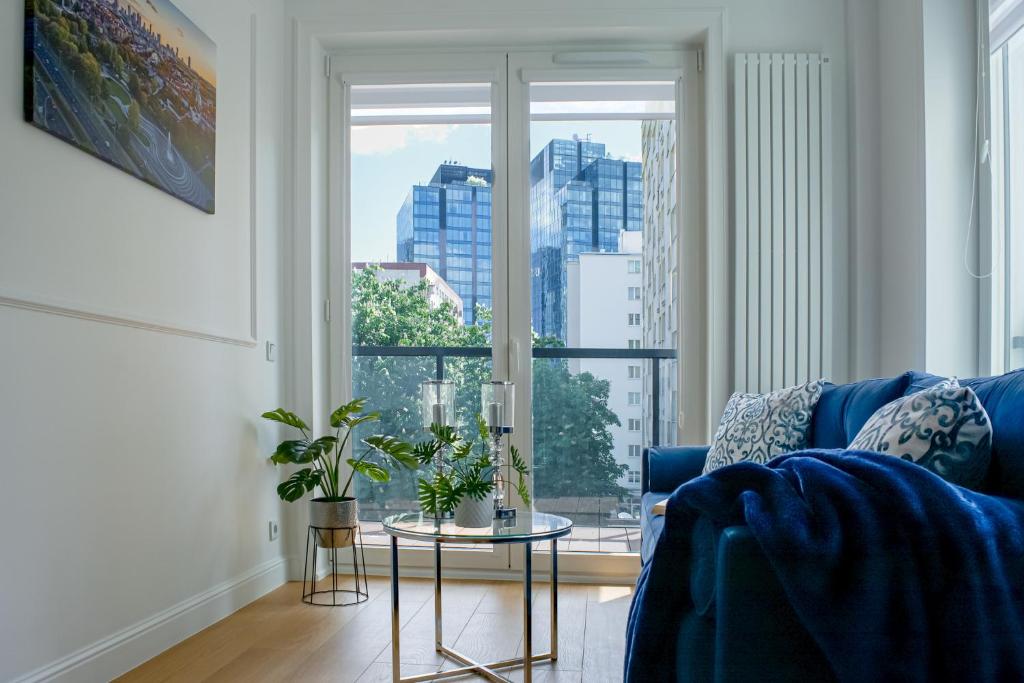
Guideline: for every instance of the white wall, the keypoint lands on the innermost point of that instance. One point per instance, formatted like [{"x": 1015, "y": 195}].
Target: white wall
[
  {"x": 136, "y": 490},
  {"x": 951, "y": 293},
  {"x": 912, "y": 187}
]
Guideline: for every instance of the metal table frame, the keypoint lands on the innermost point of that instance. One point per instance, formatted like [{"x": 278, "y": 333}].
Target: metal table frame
[{"x": 488, "y": 671}]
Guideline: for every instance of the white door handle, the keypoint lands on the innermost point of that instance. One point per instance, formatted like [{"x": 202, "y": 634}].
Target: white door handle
[{"x": 513, "y": 361}]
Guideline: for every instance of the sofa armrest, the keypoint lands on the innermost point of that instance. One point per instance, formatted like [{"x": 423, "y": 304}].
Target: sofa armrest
[
  {"x": 754, "y": 620},
  {"x": 664, "y": 468}
]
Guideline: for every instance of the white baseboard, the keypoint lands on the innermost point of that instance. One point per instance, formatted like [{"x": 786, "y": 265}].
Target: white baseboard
[{"x": 122, "y": 651}]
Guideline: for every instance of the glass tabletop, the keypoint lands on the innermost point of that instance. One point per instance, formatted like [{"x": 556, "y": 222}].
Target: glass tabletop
[{"x": 528, "y": 526}]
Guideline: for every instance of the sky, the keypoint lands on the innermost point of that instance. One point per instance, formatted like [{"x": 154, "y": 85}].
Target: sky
[
  {"x": 388, "y": 160},
  {"x": 177, "y": 30}
]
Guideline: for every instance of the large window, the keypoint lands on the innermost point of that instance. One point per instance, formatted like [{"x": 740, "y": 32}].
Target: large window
[
  {"x": 1007, "y": 145},
  {"x": 482, "y": 249}
]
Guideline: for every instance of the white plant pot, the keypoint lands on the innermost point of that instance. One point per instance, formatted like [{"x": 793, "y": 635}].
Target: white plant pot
[
  {"x": 340, "y": 516},
  {"x": 474, "y": 513}
]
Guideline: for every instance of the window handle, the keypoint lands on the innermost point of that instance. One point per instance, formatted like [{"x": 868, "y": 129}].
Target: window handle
[{"x": 513, "y": 360}]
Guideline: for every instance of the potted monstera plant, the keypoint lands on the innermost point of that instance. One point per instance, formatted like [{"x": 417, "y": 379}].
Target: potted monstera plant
[
  {"x": 461, "y": 481},
  {"x": 323, "y": 458}
]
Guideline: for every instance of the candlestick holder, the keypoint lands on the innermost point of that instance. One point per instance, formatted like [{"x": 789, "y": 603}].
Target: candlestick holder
[
  {"x": 497, "y": 403},
  {"x": 437, "y": 408}
]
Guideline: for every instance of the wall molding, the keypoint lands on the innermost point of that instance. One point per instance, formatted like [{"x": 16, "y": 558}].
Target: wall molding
[
  {"x": 42, "y": 304},
  {"x": 29, "y": 302},
  {"x": 119, "y": 652}
]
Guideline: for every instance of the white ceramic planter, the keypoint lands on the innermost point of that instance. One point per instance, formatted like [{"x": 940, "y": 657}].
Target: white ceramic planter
[
  {"x": 334, "y": 515},
  {"x": 474, "y": 513}
]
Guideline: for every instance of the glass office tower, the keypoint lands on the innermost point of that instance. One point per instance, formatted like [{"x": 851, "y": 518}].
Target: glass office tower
[
  {"x": 446, "y": 224},
  {"x": 579, "y": 202}
]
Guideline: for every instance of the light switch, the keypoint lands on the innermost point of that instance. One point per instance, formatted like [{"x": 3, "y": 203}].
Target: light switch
[{"x": 271, "y": 352}]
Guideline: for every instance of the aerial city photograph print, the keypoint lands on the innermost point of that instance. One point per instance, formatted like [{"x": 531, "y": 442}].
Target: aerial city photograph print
[{"x": 132, "y": 82}]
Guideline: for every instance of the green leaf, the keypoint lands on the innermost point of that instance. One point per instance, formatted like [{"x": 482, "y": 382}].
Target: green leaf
[
  {"x": 444, "y": 433},
  {"x": 425, "y": 451},
  {"x": 478, "y": 488},
  {"x": 295, "y": 452},
  {"x": 343, "y": 414},
  {"x": 371, "y": 470},
  {"x": 447, "y": 495},
  {"x": 322, "y": 445},
  {"x": 427, "y": 496},
  {"x": 518, "y": 464},
  {"x": 299, "y": 484},
  {"x": 285, "y": 417},
  {"x": 481, "y": 427},
  {"x": 462, "y": 451},
  {"x": 393, "y": 448}
]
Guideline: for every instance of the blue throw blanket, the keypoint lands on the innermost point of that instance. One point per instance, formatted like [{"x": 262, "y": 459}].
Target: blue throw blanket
[{"x": 897, "y": 575}]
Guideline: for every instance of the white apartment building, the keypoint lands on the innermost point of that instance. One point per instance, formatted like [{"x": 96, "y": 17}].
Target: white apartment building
[
  {"x": 438, "y": 292},
  {"x": 660, "y": 270},
  {"x": 604, "y": 309}
]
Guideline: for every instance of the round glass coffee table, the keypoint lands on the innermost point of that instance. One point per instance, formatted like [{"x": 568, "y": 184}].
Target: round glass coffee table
[{"x": 527, "y": 528}]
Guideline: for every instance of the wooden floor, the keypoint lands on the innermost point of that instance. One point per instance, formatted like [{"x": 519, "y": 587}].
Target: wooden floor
[{"x": 277, "y": 638}]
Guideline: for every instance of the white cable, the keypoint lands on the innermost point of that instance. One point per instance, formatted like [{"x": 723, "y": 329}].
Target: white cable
[{"x": 978, "y": 108}]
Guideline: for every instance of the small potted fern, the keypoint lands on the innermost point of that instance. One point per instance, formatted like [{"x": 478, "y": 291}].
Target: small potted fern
[
  {"x": 335, "y": 509},
  {"x": 464, "y": 483}
]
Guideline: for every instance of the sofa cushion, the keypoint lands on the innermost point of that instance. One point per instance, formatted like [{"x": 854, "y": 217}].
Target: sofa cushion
[
  {"x": 758, "y": 427},
  {"x": 1003, "y": 398},
  {"x": 844, "y": 408},
  {"x": 943, "y": 428}
]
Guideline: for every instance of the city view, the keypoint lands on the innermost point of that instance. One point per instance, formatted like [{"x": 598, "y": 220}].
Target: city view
[
  {"x": 131, "y": 82},
  {"x": 602, "y": 201}
]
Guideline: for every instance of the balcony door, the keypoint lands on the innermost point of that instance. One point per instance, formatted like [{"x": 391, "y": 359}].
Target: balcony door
[
  {"x": 596, "y": 220},
  {"x": 423, "y": 250},
  {"x": 516, "y": 216}
]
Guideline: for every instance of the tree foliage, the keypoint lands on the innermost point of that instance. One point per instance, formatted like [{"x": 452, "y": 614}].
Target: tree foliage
[{"x": 572, "y": 442}]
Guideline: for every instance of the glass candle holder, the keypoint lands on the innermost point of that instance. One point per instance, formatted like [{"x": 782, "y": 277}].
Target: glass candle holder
[
  {"x": 497, "y": 405},
  {"x": 437, "y": 403}
]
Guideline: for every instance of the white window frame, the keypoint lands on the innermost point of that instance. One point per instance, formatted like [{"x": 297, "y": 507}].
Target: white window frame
[
  {"x": 319, "y": 199},
  {"x": 435, "y": 67}
]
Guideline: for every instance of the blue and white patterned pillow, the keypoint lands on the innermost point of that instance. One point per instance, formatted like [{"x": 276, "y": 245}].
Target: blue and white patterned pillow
[
  {"x": 944, "y": 428},
  {"x": 758, "y": 427}
]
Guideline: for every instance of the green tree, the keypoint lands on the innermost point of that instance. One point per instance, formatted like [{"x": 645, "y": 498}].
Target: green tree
[
  {"x": 573, "y": 447},
  {"x": 91, "y": 75},
  {"x": 133, "y": 116}
]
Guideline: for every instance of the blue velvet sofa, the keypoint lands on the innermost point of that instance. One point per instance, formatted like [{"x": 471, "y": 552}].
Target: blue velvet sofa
[{"x": 741, "y": 627}]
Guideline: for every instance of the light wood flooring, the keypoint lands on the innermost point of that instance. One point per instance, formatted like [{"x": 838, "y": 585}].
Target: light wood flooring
[{"x": 277, "y": 638}]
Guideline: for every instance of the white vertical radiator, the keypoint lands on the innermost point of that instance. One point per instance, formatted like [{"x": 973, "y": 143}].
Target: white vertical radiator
[{"x": 783, "y": 218}]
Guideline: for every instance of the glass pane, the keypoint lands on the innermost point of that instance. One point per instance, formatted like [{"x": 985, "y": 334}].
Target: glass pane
[
  {"x": 603, "y": 300},
  {"x": 421, "y": 244},
  {"x": 999, "y": 213},
  {"x": 1014, "y": 83}
]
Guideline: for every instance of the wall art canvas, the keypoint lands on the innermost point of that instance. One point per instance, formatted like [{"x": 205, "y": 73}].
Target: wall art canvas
[{"x": 132, "y": 82}]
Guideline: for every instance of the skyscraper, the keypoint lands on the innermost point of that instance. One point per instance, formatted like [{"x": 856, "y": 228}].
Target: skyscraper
[
  {"x": 446, "y": 224},
  {"x": 660, "y": 267},
  {"x": 580, "y": 200}
]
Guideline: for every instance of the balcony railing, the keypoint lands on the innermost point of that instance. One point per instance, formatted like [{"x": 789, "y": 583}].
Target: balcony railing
[
  {"x": 600, "y": 525},
  {"x": 440, "y": 353}
]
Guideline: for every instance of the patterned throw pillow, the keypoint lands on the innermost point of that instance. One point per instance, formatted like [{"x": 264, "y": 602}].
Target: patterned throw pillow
[
  {"x": 758, "y": 427},
  {"x": 944, "y": 428}
]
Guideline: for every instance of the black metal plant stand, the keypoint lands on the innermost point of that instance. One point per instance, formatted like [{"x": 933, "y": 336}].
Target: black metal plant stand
[{"x": 339, "y": 597}]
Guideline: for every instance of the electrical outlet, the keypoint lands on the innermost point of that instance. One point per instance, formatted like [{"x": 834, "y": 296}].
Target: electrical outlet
[{"x": 273, "y": 530}]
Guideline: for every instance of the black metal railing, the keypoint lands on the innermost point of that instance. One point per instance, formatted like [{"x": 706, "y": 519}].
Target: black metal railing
[{"x": 440, "y": 353}]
